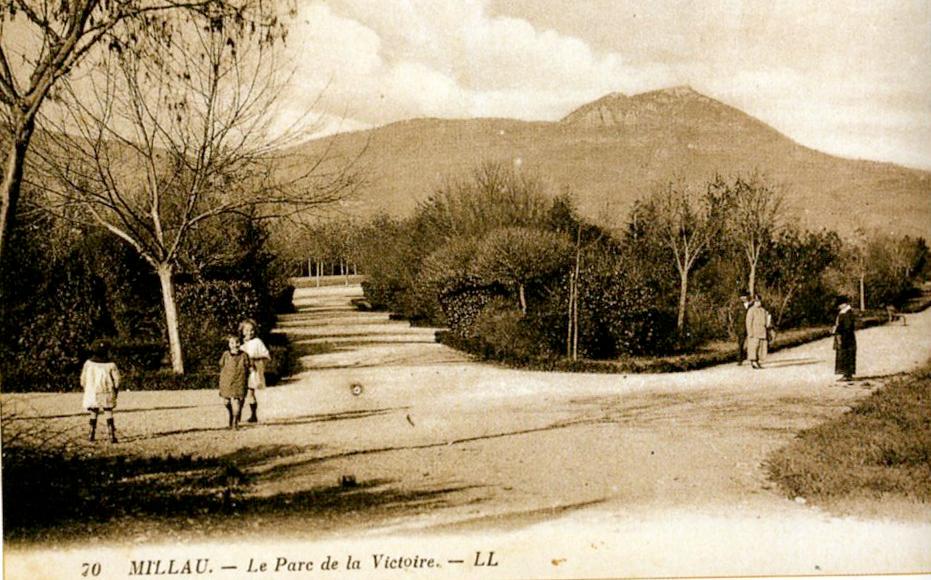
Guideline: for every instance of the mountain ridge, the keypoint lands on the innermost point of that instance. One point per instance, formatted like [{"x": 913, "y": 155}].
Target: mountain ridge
[{"x": 612, "y": 150}]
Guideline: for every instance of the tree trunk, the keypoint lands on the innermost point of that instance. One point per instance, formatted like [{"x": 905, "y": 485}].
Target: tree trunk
[
  {"x": 862, "y": 292},
  {"x": 784, "y": 306},
  {"x": 11, "y": 183},
  {"x": 575, "y": 294},
  {"x": 171, "y": 318},
  {"x": 575, "y": 326},
  {"x": 523, "y": 298},
  {"x": 569, "y": 319},
  {"x": 751, "y": 279},
  {"x": 683, "y": 294}
]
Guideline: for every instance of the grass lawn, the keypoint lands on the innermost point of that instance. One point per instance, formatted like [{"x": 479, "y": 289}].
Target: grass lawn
[{"x": 879, "y": 449}]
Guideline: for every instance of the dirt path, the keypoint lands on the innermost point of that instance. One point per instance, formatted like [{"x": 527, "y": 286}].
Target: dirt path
[{"x": 667, "y": 469}]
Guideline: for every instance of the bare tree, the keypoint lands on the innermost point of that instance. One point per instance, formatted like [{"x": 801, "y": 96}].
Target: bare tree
[
  {"x": 686, "y": 222},
  {"x": 753, "y": 219},
  {"x": 177, "y": 132},
  {"x": 858, "y": 255},
  {"x": 42, "y": 41}
]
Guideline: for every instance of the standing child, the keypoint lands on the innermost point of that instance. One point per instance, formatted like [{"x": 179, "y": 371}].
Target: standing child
[
  {"x": 259, "y": 355},
  {"x": 234, "y": 374},
  {"x": 100, "y": 380}
]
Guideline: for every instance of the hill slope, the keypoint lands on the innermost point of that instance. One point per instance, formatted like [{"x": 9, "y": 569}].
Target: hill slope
[{"x": 613, "y": 150}]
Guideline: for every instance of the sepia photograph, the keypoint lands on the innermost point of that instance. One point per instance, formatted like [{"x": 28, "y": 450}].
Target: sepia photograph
[{"x": 470, "y": 289}]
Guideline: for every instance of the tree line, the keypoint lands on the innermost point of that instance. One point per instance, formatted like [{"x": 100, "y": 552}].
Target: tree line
[{"x": 511, "y": 269}]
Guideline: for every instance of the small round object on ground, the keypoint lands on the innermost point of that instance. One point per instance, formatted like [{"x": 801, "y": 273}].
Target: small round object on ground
[{"x": 356, "y": 389}]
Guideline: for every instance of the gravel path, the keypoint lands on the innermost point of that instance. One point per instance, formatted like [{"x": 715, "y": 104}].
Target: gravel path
[{"x": 661, "y": 472}]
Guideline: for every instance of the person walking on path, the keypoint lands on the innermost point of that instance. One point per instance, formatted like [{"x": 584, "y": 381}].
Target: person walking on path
[
  {"x": 845, "y": 341},
  {"x": 758, "y": 323},
  {"x": 740, "y": 327},
  {"x": 258, "y": 355},
  {"x": 100, "y": 379},
  {"x": 234, "y": 376}
]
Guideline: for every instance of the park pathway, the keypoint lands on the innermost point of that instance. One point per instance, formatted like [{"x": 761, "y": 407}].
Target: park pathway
[
  {"x": 332, "y": 333},
  {"x": 634, "y": 475}
]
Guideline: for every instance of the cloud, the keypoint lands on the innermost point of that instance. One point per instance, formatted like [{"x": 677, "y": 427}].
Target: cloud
[{"x": 446, "y": 59}]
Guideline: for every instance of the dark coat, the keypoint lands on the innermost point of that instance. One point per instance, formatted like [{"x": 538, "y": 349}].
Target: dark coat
[
  {"x": 739, "y": 321},
  {"x": 234, "y": 374},
  {"x": 845, "y": 342},
  {"x": 739, "y": 327}
]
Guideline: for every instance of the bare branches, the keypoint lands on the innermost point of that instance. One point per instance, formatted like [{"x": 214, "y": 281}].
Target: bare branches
[
  {"x": 755, "y": 212},
  {"x": 179, "y": 132},
  {"x": 52, "y": 38},
  {"x": 687, "y": 222},
  {"x": 9, "y": 93}
]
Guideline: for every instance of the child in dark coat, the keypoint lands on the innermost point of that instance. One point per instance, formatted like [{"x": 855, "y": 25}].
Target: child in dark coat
[{"x": 234, "y": 374}]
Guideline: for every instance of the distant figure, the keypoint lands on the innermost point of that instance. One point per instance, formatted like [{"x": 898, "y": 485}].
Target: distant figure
[
  {"x": 234, "y": 377},
  {"x": 258, "y": 355},
  {"x": 845, "y": 341},
  {"x": 894, "y": 315},
  {"x": 740, "y": 327},
  {"x": 758, "y": 325},
  {"x": 101, "y": 382}
]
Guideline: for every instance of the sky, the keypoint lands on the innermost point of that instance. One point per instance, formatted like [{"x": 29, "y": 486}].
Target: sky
[{"x": 851, "y": 78}]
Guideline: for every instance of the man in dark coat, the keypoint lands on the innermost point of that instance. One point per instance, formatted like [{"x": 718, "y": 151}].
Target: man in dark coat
[
  {"x": 740, "y": 327},
  {"x": 845, "y": 341}
]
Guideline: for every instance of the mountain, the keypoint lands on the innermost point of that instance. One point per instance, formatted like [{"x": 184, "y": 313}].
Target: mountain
[{"x": 613, "y": 150}]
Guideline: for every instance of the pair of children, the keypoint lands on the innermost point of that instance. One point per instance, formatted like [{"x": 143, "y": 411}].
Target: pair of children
[{"x": 242, "y": 373}]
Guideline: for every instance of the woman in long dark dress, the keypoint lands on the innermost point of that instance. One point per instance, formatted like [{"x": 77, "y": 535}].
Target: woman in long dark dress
[{"x": 845, "y": 341}]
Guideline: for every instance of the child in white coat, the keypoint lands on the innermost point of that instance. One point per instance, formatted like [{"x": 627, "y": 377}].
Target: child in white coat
[
  {"x": 100, "y": 379},
  {"x": 258, "y": 353}
]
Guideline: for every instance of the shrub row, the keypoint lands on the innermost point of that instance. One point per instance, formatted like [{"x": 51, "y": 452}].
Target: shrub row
[
  {"x": 136, "y": 378},
  {"x": 71, "y": 287},
  {"x": 633, "y": 364}
]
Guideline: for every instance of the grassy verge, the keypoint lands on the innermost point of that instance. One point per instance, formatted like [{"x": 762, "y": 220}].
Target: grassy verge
[{"x": 881, "y": 447}]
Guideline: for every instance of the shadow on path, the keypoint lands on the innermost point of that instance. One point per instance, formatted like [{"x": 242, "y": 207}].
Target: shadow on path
[
  {"x": 513, "y": 519},
  {"x": 284, "y": 422},
  {"x": 117, "y": 412},
  {"x": 791, "y": 362},
  {"x": 186, "y": 499},
  {"x": 326, "y": 418},
  {"x": 284, "y": 469}
]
